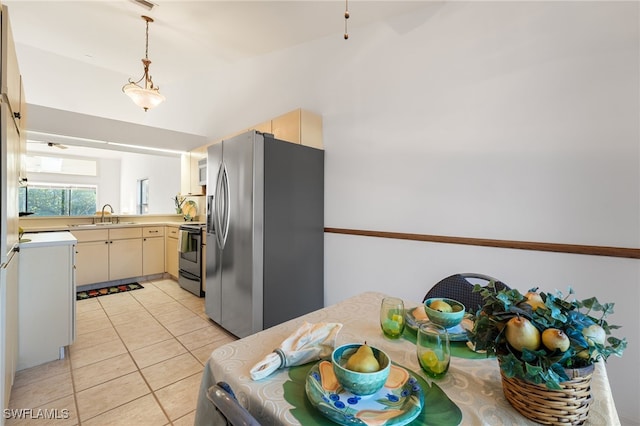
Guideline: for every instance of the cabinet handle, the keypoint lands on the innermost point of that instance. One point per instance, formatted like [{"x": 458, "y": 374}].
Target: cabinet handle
[{"x": 106, "y": 242}]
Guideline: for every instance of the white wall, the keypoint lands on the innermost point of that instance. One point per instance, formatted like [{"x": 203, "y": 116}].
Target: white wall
[
  {"x": 507, "y": 120},
  {"x": 164, "y": 182},
  {"x": 498, "y": 120}
]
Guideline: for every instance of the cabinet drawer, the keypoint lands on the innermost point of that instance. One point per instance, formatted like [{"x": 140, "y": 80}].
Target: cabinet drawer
[
  {"x": 124, "y": 233},
  {"x": 172, "y": 232},
  {"x": 91, "y": 235},
  {"x": 153, "y": 231}
]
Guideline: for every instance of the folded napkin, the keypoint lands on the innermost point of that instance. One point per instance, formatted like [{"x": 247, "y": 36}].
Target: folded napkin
[{"x": 310, "y": 342}]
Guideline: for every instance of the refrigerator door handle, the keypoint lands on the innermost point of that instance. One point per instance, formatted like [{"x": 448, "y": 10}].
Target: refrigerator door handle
[
  {"x": 217, "y": 208},
  {"x": 210, "y": 223},
  {"x": 227, "y": 206}
]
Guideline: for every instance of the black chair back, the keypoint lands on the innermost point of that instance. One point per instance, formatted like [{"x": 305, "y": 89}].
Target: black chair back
[{"x": 458, "y": 287}]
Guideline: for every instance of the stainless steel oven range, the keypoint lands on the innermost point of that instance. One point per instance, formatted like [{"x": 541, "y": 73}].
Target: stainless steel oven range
[{"x": 190, "y": 260}]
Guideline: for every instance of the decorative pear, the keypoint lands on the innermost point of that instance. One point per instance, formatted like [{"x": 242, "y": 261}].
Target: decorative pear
[
  {"x": 553, "y": 339},
  {"x": 534, "y": 300},
  {"x": 363, "y": 360},
  {"x": 440, "y": 305},
  {"x": 521, "y": 334},
  {"x": 594, "y": 334}
]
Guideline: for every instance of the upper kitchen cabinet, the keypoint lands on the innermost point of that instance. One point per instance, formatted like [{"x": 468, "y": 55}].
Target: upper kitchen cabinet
[
  {"x": 299, "y": 126},
  {"x": 263, "y": 127},
  {"x": 13, "y": 92},
  {"x": 10, "y": 71},
  {"x": 190, "y": 172}
]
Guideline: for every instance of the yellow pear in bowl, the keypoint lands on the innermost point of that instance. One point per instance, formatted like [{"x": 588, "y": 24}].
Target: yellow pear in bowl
[
  {"x": 441, "y": 305},
  {"x": 363, "y": 360}
]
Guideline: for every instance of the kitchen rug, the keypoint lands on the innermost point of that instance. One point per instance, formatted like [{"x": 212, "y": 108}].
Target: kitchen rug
[{"x": 104, "y": 291}]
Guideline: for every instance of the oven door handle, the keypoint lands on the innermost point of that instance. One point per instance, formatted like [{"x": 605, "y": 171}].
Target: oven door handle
[{"x": 188, "y": 275}]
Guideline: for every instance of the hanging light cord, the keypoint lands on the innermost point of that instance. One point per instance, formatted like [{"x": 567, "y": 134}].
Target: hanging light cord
[
  {"x": 346, "y": 18},
  {"x": 146, "y": 34}
]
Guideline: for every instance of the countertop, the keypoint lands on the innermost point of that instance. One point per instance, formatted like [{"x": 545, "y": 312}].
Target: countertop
[
  {"x": 87, "y": 226},
  {"x": 46, "y": 239}
]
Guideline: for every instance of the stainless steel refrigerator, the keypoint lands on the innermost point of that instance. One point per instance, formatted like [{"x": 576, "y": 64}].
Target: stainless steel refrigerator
[{"x": 265, "y": 232}]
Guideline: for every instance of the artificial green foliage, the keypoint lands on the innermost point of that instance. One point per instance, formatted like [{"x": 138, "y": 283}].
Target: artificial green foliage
[{"x": 543, "y": 366}]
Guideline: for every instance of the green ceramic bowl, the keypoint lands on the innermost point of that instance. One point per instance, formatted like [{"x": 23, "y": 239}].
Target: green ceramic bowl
[
  {"x": 358, "y": 383},
  {"x": 445, "y": 319}
]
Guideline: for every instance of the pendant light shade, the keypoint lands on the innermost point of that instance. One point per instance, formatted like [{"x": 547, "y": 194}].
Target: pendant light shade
[{"x": 147, "y": 96}]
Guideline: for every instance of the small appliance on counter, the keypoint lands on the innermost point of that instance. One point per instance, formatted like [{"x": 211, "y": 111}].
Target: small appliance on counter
[{"x": 190, "y": 259}]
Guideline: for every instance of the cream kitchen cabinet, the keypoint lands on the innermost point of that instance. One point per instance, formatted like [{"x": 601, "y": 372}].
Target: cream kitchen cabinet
[
  {"x": 189, "y": 173},
  {"x": 299, "y": 126},
  {"x": 92, "y": 256},
  {"x": 125, "y": 258},
  {"x": 108, "y": 254},
  {"x": 153, "y": 250},
  {"x": 46, "y": 297},
  {"x": 171, "y": 250}
]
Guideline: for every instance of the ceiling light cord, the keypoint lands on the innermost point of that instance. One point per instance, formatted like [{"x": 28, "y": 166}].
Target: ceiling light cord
[{"x": 346, "y": 18}]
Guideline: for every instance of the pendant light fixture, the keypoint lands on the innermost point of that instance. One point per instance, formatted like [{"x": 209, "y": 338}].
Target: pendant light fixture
[{"x": 148, "y": 96}]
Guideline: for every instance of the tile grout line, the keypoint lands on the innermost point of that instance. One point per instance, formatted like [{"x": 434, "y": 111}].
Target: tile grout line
[
  {"x": 138, "y": 369},
  {"x": 153, "y": 392},
  {"x": 186, "y": 303}
]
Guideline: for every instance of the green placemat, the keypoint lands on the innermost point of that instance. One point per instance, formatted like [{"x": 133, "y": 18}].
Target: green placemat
[
  {"x": 458, "y": 349},
  {"x": 440, "y": 411}
]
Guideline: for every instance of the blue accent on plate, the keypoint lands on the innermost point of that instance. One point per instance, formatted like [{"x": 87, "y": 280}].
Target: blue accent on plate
[{"x": 403, "y": 403}]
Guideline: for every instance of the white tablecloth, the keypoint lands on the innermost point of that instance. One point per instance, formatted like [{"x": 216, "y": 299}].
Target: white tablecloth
[{"x": 473, "y": 384}]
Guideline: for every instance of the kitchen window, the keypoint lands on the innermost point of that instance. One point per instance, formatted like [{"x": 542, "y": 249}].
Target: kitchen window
[
  {"x": 43, "y": 199},
  {"x": 143, "y": 196}
]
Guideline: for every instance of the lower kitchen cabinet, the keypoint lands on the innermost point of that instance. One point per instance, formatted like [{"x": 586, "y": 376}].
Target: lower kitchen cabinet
[
  {"x": 153, "y": 250},
  {"x": 92, "y": 262},
  {"x": 92, "y": 256},
  {"x": 119, "y": 253},
  {"x": 171, "y": 250},
  {"x": 46, "y": 297},
  {"x": 125, "y": 258}
]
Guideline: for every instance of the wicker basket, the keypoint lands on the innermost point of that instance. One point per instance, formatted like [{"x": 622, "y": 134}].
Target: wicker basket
[{"x": 568, "y": 406}]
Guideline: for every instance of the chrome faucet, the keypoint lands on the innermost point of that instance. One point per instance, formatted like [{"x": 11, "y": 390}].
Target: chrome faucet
[{"x": 104, "y": 207}]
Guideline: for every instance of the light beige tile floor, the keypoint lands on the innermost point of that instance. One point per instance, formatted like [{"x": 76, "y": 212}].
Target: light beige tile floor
[{"x": 137, "y": 360}]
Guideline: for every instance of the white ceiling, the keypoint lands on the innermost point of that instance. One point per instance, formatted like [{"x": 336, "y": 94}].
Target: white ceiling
[{"x": 187, "y": 37}]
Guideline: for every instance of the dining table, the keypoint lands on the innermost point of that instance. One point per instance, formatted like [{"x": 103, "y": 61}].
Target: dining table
[{"x": 470, "y": 393}]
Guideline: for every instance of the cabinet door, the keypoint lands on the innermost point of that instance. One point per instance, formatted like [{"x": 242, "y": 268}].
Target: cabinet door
[
  {"x": 171, "y": 256},
  {"x": 10, "y": 78},
  {"x": 287, "y": 127},
  {"x": 125, "y": 258},
  {"x": 263, "y": 127},
  {"x": 189, "y": 173},
  {"x": 92, "y": 262},
  {"x": 152, "y": 255}
]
